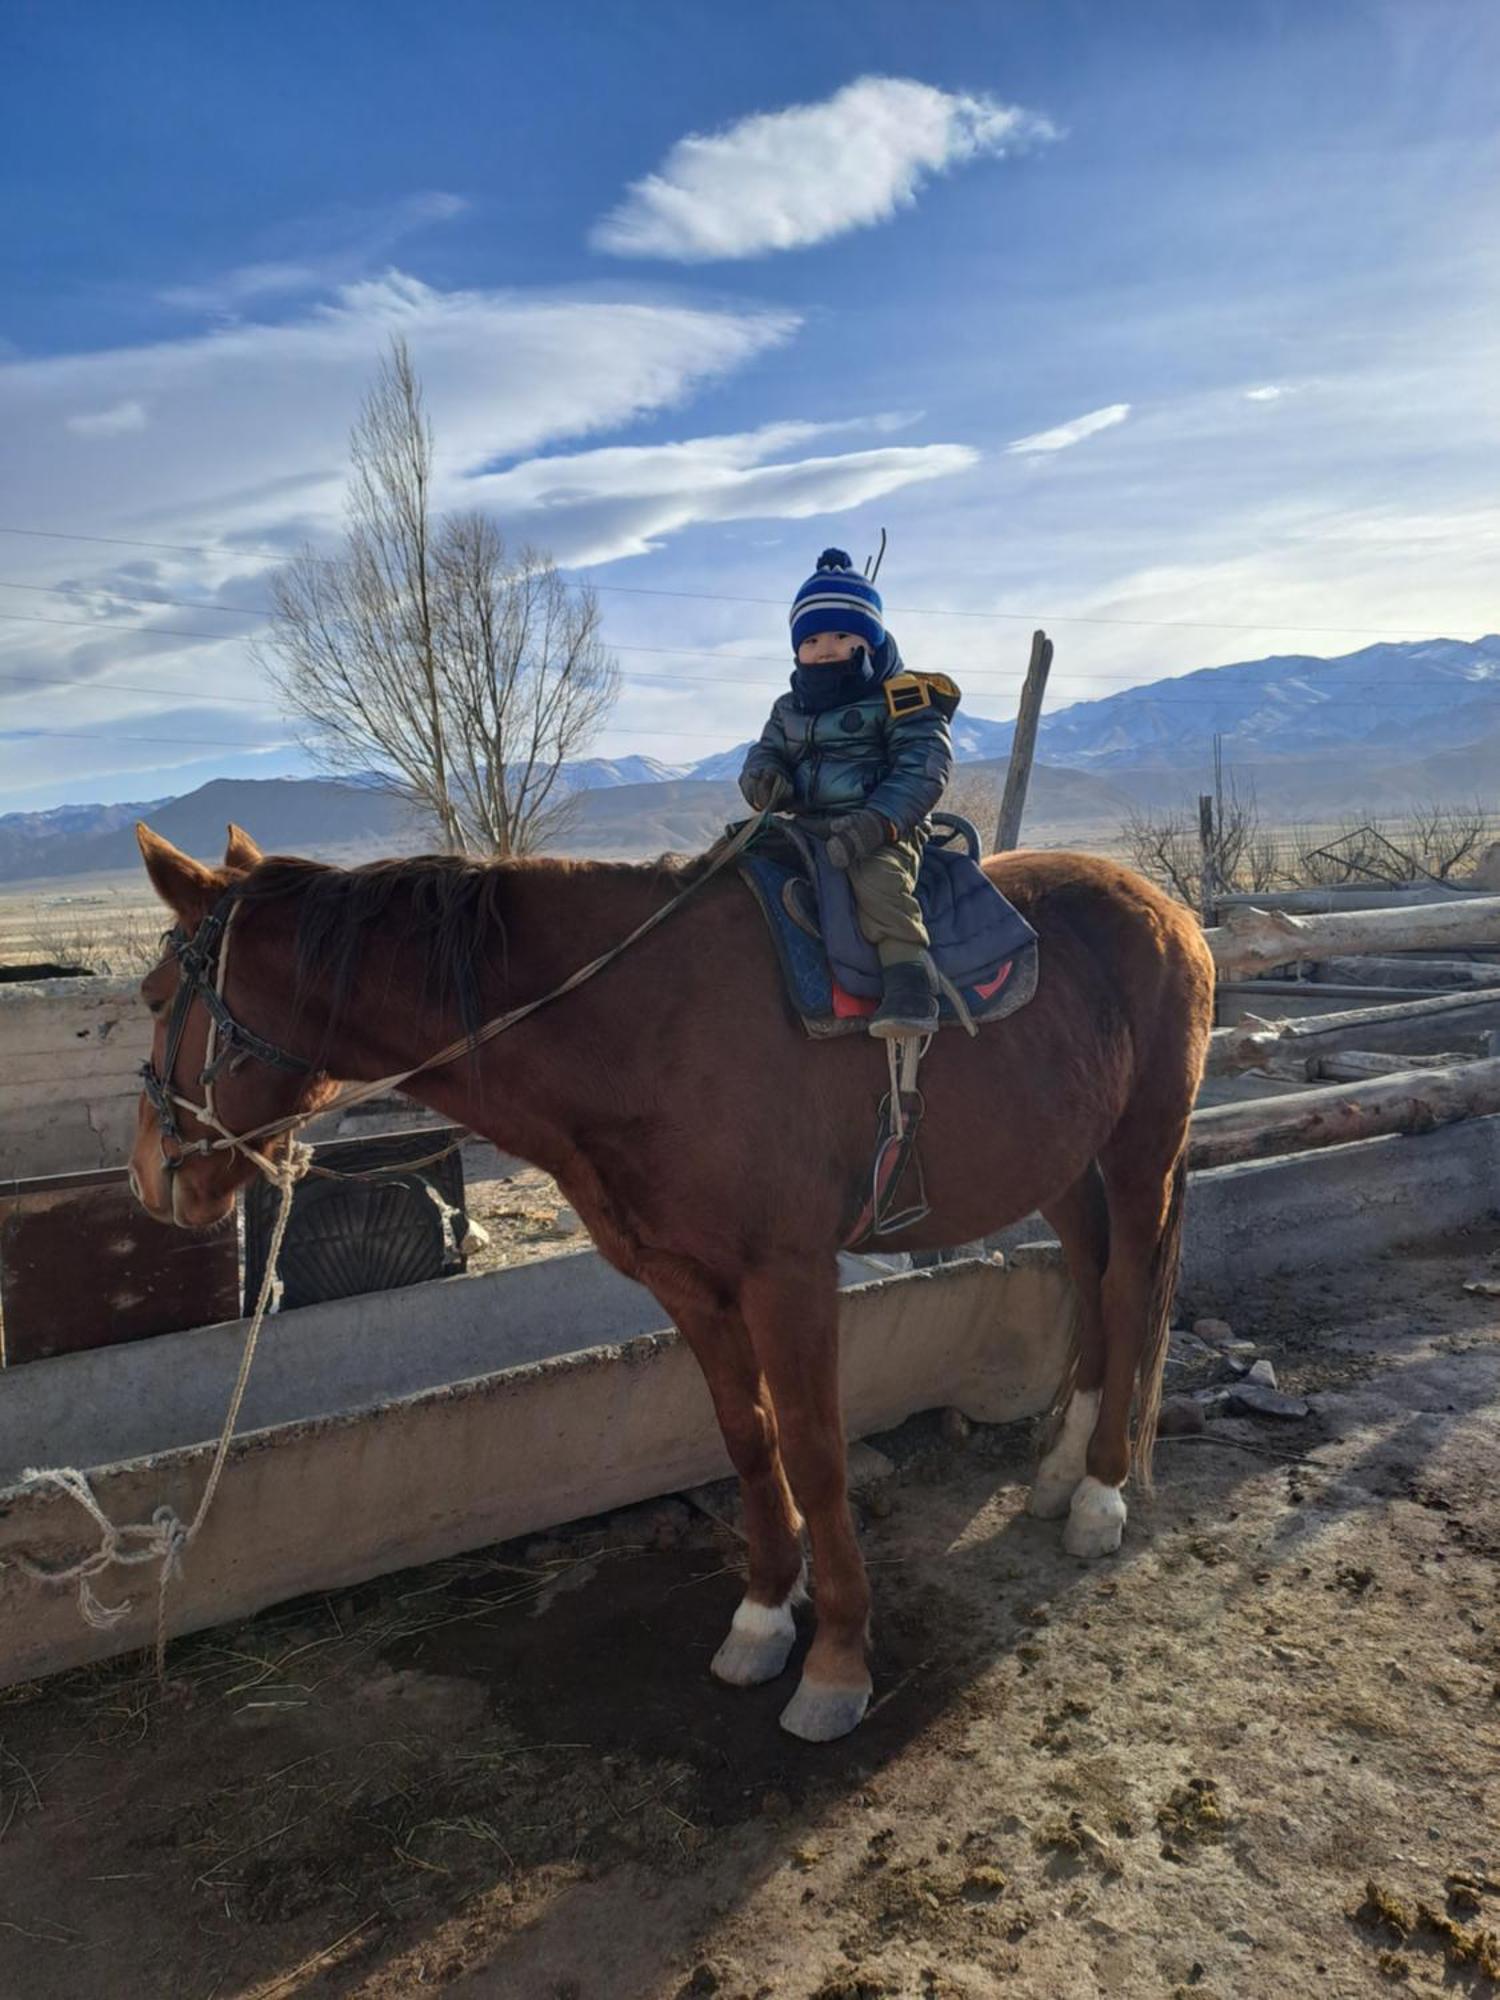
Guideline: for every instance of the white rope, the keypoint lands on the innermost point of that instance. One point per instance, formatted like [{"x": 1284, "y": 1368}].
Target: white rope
[{"x": 165, "y": 1538}]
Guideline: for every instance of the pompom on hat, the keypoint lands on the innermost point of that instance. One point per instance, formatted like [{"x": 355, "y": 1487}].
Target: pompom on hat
[{"x": 836, "y": 598}]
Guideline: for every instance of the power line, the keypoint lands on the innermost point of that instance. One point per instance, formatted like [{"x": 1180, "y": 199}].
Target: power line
[
  {"x": 725, "y": 597},
  {"x": 646, "y": 677},
  {"x": 134, "y": 597},
  {"x": 136, "y": 687},
  {"x": 731, "y": 659},
  {"x": 10, "y": 736}
]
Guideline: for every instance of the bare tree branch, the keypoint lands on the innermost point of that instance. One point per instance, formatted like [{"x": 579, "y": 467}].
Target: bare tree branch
[{"x": 423, "y": 657}]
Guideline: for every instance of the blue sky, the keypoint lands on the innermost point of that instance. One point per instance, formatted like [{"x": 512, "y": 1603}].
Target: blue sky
[{"x": 1171, "y": 326}]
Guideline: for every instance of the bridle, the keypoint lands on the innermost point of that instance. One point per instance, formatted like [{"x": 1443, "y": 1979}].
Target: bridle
[{"x": 203, "y": 960}]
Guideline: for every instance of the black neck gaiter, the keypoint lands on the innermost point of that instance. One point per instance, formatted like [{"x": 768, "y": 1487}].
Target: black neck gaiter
[{"x": 817, "y": 689}]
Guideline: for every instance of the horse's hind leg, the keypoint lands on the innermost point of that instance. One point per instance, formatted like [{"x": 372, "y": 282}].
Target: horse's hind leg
[
  {"x": 1146, "y": 1184},
  {"x": 791, "y": 1309},
  {"x": 763, "y": 1631},
  {"x": 1081, "y": 1218}
]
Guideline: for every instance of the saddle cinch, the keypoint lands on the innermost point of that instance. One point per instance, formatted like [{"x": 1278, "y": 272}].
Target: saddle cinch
[{"x": 984, "y": 949}]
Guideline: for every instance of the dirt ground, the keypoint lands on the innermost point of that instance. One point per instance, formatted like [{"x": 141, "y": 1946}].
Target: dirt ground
[{"x": 1176, "y": 1773}]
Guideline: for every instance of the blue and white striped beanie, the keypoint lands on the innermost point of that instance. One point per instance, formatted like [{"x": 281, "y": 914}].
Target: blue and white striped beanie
[{"x": 836, "y": 598}]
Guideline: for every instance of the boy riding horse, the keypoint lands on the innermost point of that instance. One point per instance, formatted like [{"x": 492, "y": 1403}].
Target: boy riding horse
[{"x": 860, "y": 750}]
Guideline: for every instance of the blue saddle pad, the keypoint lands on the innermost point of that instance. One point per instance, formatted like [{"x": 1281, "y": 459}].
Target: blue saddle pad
[{"x": 833, "y": 978}]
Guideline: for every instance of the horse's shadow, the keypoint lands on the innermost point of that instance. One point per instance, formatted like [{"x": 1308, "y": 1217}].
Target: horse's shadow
[{"x": 621, "y": 1665}]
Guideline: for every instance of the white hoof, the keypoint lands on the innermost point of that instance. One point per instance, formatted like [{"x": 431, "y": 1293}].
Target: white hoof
[
  {"x": 761, "y": 1637},
  {"x": 1096, "y": 1520},
  {"x": 1059, "y": 1474},
  {"x": 821, "y": 1714}
]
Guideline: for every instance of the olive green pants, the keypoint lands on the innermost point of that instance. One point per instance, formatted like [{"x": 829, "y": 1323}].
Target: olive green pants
[{"x": 885, "y": 895}]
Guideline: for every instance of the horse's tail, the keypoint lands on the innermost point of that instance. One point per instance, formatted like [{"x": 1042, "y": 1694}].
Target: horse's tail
[{"x": 1165, "y": 1263}]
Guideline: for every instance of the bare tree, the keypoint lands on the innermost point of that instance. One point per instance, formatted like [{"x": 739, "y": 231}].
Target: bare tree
[
  {"x": 424, "y": 655},
  {"x": 1166, "y": 849},
  {"x": 1444, "y": 837},
  {"x": 1230, "y": 847}
]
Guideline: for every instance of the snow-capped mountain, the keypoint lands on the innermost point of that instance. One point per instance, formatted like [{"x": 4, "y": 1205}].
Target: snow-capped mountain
[{"x": 1387, "y": 701}]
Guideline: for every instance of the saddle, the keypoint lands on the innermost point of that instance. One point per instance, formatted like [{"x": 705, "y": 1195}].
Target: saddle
[{"x": 983, "y": 948}]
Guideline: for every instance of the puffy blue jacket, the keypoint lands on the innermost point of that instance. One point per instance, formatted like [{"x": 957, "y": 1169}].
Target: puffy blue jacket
[{"x": 889, "y": 750}]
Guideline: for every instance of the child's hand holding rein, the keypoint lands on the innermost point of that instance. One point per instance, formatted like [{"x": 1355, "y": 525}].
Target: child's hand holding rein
[{"x": 853, "y": 836}]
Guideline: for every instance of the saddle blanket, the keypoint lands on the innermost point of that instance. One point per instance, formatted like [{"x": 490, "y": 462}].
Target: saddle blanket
[{"x": 979, "y": 941}]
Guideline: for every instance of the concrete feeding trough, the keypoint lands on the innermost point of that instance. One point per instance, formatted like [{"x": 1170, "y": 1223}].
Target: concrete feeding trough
[{"x": 401, "y": 1427}]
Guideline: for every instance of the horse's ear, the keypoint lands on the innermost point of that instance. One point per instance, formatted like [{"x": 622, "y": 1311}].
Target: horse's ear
[
  {"x": 241, "y": 853},
  {"x": 184, "y": 885}
]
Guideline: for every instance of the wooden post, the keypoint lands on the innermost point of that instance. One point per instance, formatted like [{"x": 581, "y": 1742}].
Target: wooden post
[
  {"x": 1208, "y": 881},
  {"x": 1023, "y": 744}
]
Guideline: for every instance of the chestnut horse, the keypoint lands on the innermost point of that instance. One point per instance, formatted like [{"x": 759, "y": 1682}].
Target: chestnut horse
[{"x": 720, "y": 1157}]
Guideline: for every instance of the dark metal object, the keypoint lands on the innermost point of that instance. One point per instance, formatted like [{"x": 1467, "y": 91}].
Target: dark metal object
[
  {"x": 348, "y": 1235},
  {"x": 82, "y": 1265}
]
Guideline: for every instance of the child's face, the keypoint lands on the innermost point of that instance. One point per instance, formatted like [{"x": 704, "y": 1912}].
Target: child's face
[{"x": 828, "y": 649}]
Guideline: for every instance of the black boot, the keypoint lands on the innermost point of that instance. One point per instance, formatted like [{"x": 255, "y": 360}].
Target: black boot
[{"x": 908, "y": 1005}]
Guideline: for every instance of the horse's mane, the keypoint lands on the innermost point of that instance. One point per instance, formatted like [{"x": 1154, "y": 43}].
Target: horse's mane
[{"x": 452, "y": 907}]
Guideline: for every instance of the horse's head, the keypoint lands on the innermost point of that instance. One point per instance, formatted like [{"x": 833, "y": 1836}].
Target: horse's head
[{"x": 215, "y": 1066}]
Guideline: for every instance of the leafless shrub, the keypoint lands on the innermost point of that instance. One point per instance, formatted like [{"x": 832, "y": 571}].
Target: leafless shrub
[
  {"x": 974, "y": 795},
  {"x": 1174, "y": 849},
  {"x": 1444, "y": 838},
  {"x": 1165, "y": 848},
  {"x": 122, "y": 945}
]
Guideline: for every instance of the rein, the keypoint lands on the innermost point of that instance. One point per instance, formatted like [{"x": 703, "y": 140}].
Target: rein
[
  {"x": 204, "y": 970},
  {"x": 204, "y": 959}
]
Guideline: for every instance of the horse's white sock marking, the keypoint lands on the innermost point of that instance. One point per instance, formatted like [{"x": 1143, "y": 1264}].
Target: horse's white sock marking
[
  {"x": 1096, "y": 1519},
  {"x": 763, "y": 1621},
  {"x": 1060, "y": 1471},
  {"x": 760, "y": 1638}
]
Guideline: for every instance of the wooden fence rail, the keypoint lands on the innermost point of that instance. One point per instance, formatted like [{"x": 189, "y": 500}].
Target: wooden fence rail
[
  {"x": 1414, "y": 1101},
  {"x": 1251, "y": 940}
]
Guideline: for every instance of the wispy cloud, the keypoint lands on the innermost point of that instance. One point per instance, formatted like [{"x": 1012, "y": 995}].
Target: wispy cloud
[
  {"x": 1268, "y": 392},
  {"x": 1072, "y": 432},
  {"x": 597, "y": 506},
  {"x": 335, "y": 248},
  {"x": 784, "y": 179},
  {"x": 116, "y": 421}
]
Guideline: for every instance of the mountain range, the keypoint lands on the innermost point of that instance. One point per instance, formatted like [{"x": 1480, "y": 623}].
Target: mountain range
[{"x": 1378, "y": 730}]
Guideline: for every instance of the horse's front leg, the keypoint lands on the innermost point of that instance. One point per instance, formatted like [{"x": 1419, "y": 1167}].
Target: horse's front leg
[
  {"x": 791, "y": 1310},
  {"x": 763, "y": 1631}
]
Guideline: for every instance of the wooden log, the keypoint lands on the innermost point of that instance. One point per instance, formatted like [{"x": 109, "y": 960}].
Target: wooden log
[
  {"x": 1355, "y": 1065},
  {"x": 1407, "y": 972},
  {"x": 1023, "y": 744},
  {"x": 1250, "y": 940},
  {"x": 1323, "y": 902},
  {"x": 1251, "y": 1041},
  {"x": 1413, "y": 1101}
]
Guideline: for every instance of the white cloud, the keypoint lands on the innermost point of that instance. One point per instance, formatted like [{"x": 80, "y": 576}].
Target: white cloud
[
  {"x": 247, "y": 452},
  {"x": 784, "y": 179},
  {"x": 1268, "y": 392},
  {"x": 250, "y": 423},
  {"x": 597, "y": 506},
  {"x": 1072, "y": 432},
  {"x": 331, "y": 249},
  {"x": 114, "y": 422}
]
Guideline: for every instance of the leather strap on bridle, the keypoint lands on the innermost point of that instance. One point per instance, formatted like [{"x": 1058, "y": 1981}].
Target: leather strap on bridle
[{"x": 211, "y": 957}]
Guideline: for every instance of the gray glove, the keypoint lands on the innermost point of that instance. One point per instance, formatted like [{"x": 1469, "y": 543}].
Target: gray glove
[
  {"x": 853, "y": 836},
  {"x": 764, "y": 788}
]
